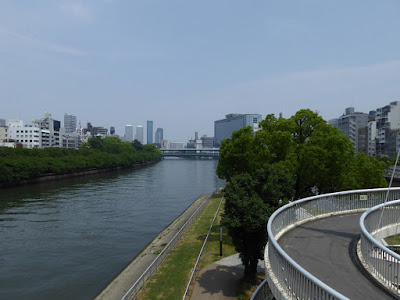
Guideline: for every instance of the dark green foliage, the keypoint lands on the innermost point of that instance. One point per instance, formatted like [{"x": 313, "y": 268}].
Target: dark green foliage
[
  {"x": 286, "y": 159},
  {"x": 21, "y": 164}
]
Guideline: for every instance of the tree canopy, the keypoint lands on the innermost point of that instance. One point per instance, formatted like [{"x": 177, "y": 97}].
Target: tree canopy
[{"x": 286, "y": 159}]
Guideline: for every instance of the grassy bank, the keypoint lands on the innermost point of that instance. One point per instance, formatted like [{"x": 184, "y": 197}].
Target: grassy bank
[{"x": 171, "y": 280}]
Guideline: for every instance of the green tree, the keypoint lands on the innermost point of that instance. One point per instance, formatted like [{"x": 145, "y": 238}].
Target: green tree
[
  {"x": 250, "y": 200},
  {"x": 137, "y": 145},
  {"x": 286, "y": 159}
]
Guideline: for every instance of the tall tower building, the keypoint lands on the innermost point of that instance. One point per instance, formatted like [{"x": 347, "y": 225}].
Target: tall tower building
[
  {"x": 159, "y": 136},
  {"x": 128, "y": 133},
  {"x": 139, "y": 133},
  {"x": 149, "y": 132},
  {"x": 69, "y": 123}
]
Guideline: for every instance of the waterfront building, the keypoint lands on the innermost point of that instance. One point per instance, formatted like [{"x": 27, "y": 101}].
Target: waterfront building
[
  {"x": 69, "y": 123},
  {"x": 3, "y": 130},
  {"x": 50, "y": 131},
  {"x": 128, "y": 133},
  {"x": 139, "y": 133},
  {"x": 96, "y": 130},
  {"x": 164, "y": 144},
  {"x": 207, "y": 141},
  {"x": 363, "y": 140},
  {"x": 224, "y": 128},
  {"x": 176, "y": 145},
  {"x": 349, "y": 124},
  {"x": 159, "y": 136},
  {"x": 30, "y": 136},
  {"x": 72, "y": 140},
  {"x": 149, "y": 132},
  {"x": 112, "y": 130}
]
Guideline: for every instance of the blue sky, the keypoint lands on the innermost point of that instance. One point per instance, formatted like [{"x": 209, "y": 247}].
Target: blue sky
[{"x": 185, "y": 63}]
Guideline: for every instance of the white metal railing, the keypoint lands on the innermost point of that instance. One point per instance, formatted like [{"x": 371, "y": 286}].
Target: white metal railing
[
  {"x": 377, "y": 223},
  {"x": 286, "y": 278},
  {"x": 147, "y": 274}
]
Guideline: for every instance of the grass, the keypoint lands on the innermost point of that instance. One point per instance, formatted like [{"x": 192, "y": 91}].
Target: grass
[
  {"x": 172, "y": 278},
  {"x": 393, "y": 240}
]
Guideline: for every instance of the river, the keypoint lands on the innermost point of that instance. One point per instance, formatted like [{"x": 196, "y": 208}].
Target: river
[{"x": 68, "y": 239}]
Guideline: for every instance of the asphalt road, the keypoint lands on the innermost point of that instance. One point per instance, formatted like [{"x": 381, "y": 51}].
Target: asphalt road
[{"x": 323, "y": 247}]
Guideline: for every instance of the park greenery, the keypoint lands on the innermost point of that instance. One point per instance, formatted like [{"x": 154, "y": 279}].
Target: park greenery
[
  {"x": 287, "y": 159},
  {"x": 110, "y": 152}
]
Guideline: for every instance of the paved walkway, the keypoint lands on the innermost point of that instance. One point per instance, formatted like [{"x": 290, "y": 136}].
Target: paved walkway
[
  {"x": 221, "y": 280},
  {"x": 325, "y": 248}
]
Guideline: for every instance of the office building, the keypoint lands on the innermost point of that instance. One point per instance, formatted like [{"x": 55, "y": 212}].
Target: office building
[
  {"x": 176, "y": 145},
  {"x": 349, "y": 124},
  {"x": 139, "y": 133},
  {"x": 112, "y": 130},
  {"x": 3, "y": 123},
  {"x": 149, "y": 132},
  {"x": 207, "y": 141},
  {"x": 30, "y": 136},
  {"x": 159, "y": 136},
  {"x": 128, "y": 133},
  {"x": 69, "y": 123},
  {"x": 164, "y": 144},
  {"x": 388, "y": 129},
  {"x": 224, "y": 128},
  {"x": 96, "y": 130},
  {"x": 50, "y": 131}
]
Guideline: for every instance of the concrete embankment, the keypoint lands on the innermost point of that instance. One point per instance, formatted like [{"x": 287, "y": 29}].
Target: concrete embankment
[{"x": 123, "y": 282}]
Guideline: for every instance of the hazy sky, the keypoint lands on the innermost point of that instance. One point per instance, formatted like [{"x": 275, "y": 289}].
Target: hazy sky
[{"x": 186, "y": 63}]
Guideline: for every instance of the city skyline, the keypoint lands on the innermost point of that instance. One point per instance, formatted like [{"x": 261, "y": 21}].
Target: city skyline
[{"x": 114, "y": 63}]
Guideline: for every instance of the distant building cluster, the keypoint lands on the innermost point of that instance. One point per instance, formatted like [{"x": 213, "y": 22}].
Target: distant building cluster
[
  {"x": 376, "y": 133},
  {"x": 48, "y": 132}
]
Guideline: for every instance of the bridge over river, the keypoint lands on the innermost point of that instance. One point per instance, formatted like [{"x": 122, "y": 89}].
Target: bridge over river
[
  {"x": 191, "y": 152},
  {"x": 324, "y": 247}
]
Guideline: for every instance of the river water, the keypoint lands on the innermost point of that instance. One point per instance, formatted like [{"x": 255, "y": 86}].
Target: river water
[{"x": 68, "y": 239}]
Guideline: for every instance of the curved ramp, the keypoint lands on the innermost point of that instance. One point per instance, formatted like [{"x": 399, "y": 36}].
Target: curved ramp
[{"x": 325, "y": 248}]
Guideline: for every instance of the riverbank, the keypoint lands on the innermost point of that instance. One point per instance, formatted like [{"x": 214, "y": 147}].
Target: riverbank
[
  {"x": 123, "y": 282},
  {"x": 54, "y": 177}
]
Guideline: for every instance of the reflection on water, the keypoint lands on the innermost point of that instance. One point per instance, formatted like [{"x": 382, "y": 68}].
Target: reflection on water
[{"x": 67, "y": 239}]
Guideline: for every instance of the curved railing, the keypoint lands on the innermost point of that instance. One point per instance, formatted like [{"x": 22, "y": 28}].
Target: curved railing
[
  {"x": 376, "y": 224},
  {"x": 286, "y": 278}
]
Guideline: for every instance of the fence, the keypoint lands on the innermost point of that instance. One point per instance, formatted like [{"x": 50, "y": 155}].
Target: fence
[
  {"x": 287, "y": 279},
  {"x": 384, "y": 264},
  {"x": 201, "y": 250},
  {"x": 147, "y": 274}
]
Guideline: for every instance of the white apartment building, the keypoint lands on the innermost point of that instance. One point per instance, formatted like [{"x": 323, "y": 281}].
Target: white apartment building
[{"x": 28, "y": 135}]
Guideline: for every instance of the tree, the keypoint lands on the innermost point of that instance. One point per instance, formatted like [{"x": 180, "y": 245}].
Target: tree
[
  {"x": 137, "y": 145},
  {"x": 286, "y": 159},
  {"x": 250, "y": 200}
]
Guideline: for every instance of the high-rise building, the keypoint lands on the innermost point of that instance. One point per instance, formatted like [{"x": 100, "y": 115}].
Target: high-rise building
[
  {"x": 159, "y": 136},
  {"x": 112, "y": 130},
  {"x": 128, "y": 133},
  {"x": 224, "y": 128},
  {"x": 69, "y": 123},
  {"x": 149, "y": 132},
  {"x": 2, "y": 123},
  {"x": 350, "y": 123},
  {"x": 139, "y": 133}
]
